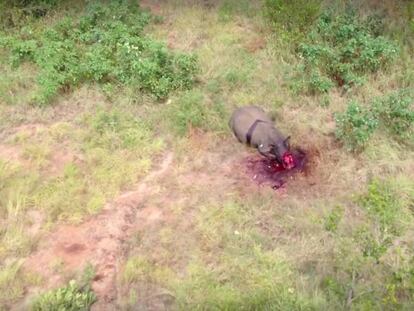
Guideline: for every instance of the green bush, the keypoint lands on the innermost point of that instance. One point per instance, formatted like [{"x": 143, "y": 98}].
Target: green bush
[
  {"x": 396, "y": 111},
  {"x": 343, "y": 49},
  {"x": 333, "y": 219},
  {"x": 386, "y": 213},
  {"x": 372, "y": 244},
  {"x": 402, "y": 280},
  {"x": 106, "y": 44},
  {"x": 294, "y": 16},
  {"x": 383, "y": 205},
  {"x": 314, "y": 82},
  {"x": 355, "y": 126},
  {"x": 68, "y": 298},
  {"x": 16, "y": 13}
]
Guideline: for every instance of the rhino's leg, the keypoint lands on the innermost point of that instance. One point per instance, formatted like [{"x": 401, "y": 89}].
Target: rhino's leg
[{"x": 233, "y": 128}]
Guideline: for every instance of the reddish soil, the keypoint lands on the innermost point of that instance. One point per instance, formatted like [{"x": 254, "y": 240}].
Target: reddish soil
[
  {"x": 10, "y": 153},
  {"x": 13, "y": 153},
  {"x": 30, "y": 129},
  {"x": 255, "y": 44},
  {"x": 98, "y": 241},
  {"x": 58, "y": 160}
]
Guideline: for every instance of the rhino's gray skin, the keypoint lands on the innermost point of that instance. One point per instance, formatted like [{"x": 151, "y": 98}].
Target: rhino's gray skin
[{"x": 266, "y": 138}]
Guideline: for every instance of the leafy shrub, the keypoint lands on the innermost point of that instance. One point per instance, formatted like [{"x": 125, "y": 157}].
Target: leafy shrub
[
  {"x": 355, "y": 126},
  {"x": 402, "y": 280},
  {"x": 292, "y": 15},
  {"x": 343, "y": 49},
  {"x": 68, "y": 298},
  {"x": 394, "y": 112},
  {"x": 397, "y": 113},
  {"x": 333, "y": 287},
  {"x": 106, "y": 45},
  {"x": 333, "y": 218},
  {"x": 313, "y": 82}
]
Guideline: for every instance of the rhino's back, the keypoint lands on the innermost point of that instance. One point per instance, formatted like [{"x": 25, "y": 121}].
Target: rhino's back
[{"x": 243, "y": 118}]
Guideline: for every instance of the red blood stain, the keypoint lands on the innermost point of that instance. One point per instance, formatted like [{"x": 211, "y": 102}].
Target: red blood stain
[{"x": 267, "y": 171}]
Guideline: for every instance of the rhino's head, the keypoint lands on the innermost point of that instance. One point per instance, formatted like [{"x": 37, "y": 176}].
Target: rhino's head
[{"x": 281, "y": 151}]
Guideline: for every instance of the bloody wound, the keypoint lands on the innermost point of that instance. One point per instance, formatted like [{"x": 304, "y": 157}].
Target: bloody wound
[{"x": 267, "y": 171}]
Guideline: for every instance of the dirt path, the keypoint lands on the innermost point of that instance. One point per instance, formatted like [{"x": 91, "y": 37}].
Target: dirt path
[{"x": 98, "y": 241}]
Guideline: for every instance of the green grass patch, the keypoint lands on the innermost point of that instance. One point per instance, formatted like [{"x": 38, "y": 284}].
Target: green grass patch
[
  {"x": 229, "y": 8},
  {"x": 383, "y": 204},
  {"x": 193, "y": 109},
  {"x": 243, "y": 275},
  {"x": 258, "y": 281},
  {"x": 389, "y": 215},
  {"x": 229, "y": 268},
  {"x": 140, "y": 269},
  {"x": 117, "y": 151},
  {"x": 371, "y": 266},
  {"x": 15, "y": 187}
]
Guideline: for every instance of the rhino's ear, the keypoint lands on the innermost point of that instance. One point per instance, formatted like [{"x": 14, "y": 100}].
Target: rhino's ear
[{"x": 286, "y": 142}]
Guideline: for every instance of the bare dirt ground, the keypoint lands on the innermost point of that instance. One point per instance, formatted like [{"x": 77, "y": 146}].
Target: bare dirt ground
[
  {"x": 98, "y": 241},
  {"x": 11, "y": 153},
  {"x": 58, "y": 158}
]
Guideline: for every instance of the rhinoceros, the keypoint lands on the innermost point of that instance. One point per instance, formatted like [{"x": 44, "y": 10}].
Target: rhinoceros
[{"x": 252, "y": 126}]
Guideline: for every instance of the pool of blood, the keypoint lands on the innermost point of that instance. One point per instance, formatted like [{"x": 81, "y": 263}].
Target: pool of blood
[{"x": 270, "y": 172}]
